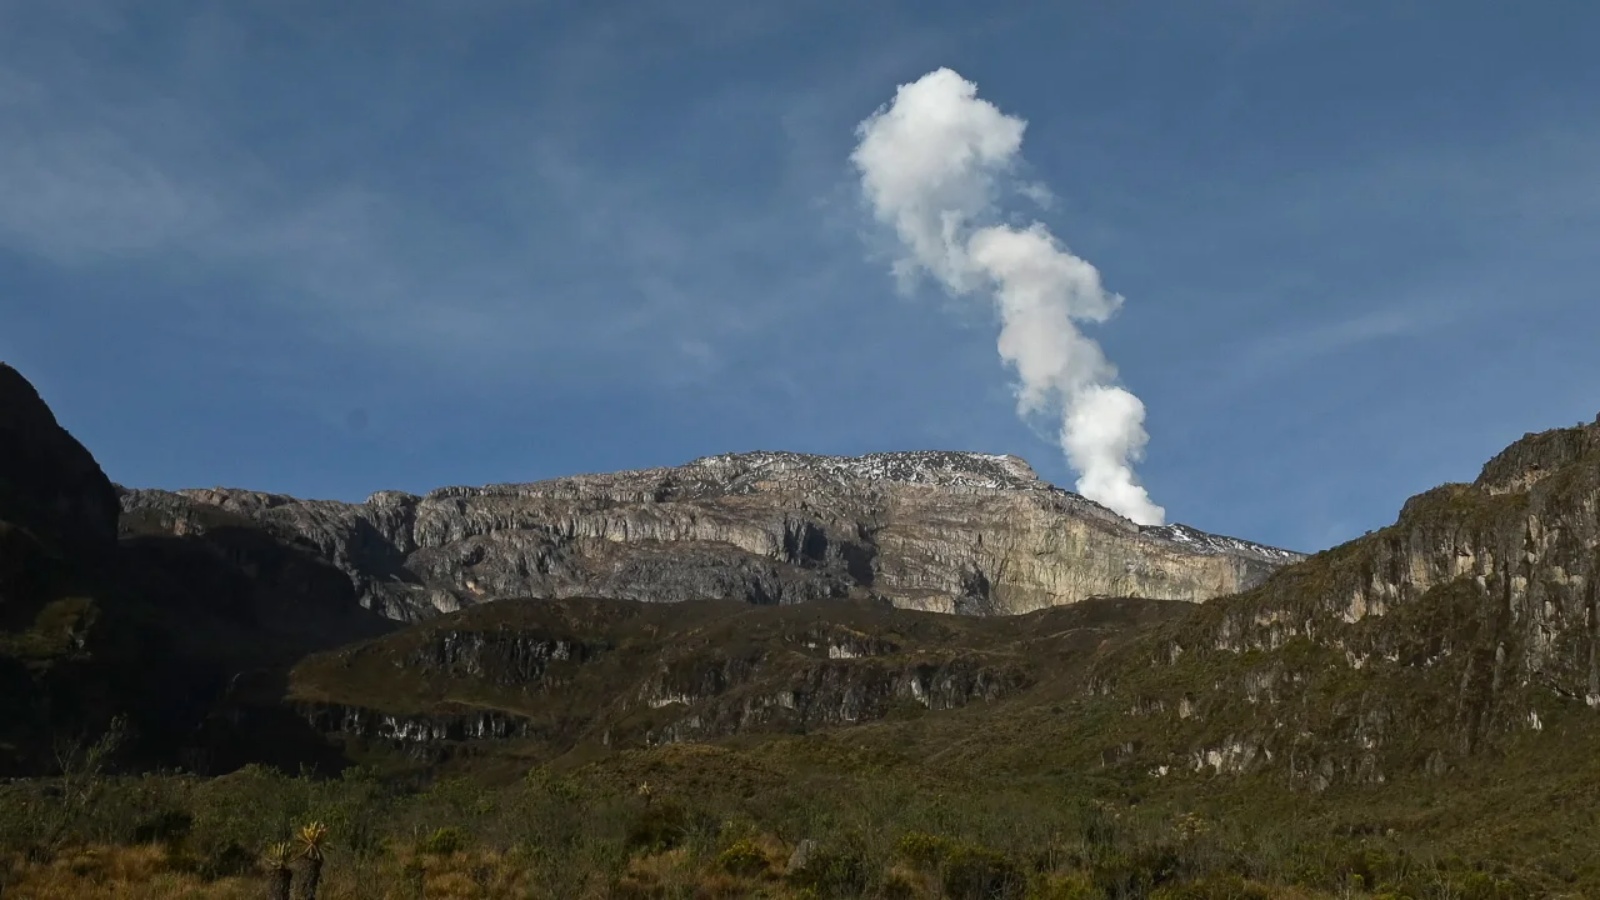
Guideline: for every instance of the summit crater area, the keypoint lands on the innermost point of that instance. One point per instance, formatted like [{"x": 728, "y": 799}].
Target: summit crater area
[{"x": 940, "y": 531}]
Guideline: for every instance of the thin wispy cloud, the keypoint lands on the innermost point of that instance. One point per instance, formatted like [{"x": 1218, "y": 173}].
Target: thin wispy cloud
[
  {"x": 1307, "y": 341},
  {"x": 100, "y": 167},
  {"x": 637, "y": 223}
]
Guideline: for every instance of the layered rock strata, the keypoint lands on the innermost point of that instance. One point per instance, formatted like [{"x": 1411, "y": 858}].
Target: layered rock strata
[{"x": 947, "y": 532}]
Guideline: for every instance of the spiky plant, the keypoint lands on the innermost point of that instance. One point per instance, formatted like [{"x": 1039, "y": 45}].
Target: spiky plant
[
  {"x": 279, "y": 876},
  {"x": 313, "y": 839}
]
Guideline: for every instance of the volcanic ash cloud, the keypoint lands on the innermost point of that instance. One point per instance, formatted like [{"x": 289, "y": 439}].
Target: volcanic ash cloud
[{"x": 933, "y": 165}]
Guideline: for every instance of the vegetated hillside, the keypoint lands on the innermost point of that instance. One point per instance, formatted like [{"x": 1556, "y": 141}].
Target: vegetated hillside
[
  {"x": 603, "y": 674},
  {"x": 1472, "y": 618},
  {"x": 948, "y": 532}
]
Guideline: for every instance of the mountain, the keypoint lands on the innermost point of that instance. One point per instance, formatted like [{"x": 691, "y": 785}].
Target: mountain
[
  {"x": 770, "y": 635},
  {"x": 1473, "y": 618},
  {"x": 184, "y": 611},
  {"x": 1470, "y": 620},
  {"x": 147, "y": 630},
  {"x": 937, "y": 531}
]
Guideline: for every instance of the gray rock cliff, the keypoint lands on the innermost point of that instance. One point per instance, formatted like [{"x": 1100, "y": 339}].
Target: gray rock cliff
[{"x": 939, "y": 531}]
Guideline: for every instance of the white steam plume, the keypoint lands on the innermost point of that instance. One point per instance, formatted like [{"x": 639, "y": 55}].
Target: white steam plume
[{"x": 932, "y": 164}]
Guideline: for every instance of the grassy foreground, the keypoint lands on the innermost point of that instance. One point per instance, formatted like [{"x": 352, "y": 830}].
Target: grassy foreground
[{"x": 813, "y": 817}]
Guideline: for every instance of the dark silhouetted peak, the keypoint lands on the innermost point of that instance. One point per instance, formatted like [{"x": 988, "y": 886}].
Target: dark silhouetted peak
[{"x": 49, "y": 484}]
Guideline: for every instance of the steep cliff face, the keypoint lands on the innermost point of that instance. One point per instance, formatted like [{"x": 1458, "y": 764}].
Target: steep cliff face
[
  {"x": 949, "y": 532},
  {"x": 1474, "y": 616}
]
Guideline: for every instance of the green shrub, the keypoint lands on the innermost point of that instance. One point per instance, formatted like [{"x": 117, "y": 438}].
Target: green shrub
[
  {"x": 977, "y": 873},
  {"x": 898, "y": 885},
  {"x": 1485, "y": 886},
  {"x": 663, "y": 826},
  {"x": 443, "y": 842},
  {"x": 1462, "y": 885},
  {"x": 1073, "y": 886},
  {"x": 166, "y": 827},
  {"x": 832, "y": 873},
  {"x": 745, "y": 858},
  {"x": 1134, "y": 873},
  {"x": 926, "y": 851},
  {"x": 1217, "y": 887},
  {"x": 226, "y": 861},
  {"x": 1096, "y": 827}
]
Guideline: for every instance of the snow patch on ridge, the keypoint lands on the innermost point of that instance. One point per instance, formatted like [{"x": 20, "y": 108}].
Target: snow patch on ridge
[
  {"x": 936, "y": 467},
  {"x": 1204, "y": 542},
  {"x": 741, "y": 472}
]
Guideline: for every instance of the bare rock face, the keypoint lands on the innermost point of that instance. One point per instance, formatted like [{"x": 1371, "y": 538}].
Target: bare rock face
[{"x": 948, "y": 532}]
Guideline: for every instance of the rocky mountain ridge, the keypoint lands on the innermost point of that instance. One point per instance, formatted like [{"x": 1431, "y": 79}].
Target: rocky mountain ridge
[
  {"x": 941, "y": 531},
  {"x": 1467, "y": 623},
  {"x": 184, "y": 611},
  {"x": 1435, "y": 684},
  {"x": 1473, "y": 618}
]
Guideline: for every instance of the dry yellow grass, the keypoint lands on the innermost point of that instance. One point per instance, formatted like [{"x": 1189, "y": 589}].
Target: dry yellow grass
[
  {"x": 139, "y": 872},
  {"x": 121, "y": 873},
  {"x": 153, "y": 872}
]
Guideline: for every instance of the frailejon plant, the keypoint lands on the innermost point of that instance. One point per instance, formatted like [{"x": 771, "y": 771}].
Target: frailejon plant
[
  {"x": 279, "y": 876},
  {"x": 313, "y": 838}
]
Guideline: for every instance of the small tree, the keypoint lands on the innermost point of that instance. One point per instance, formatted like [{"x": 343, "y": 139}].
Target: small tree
[{"x": 83, "y": 769}]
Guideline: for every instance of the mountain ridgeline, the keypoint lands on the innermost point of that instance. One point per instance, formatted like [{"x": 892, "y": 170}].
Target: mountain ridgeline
[
  {"x": 950, "y": 602},
  {"x": 945, "y": 532}
]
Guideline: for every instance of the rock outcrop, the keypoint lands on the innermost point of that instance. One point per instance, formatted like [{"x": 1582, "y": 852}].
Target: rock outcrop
[
  {"x": 948, "y": 532},
  {"x": 1474, "y": 617}
]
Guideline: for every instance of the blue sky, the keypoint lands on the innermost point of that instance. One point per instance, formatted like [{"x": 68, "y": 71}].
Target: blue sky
[{"x": 331, "y": 248}]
